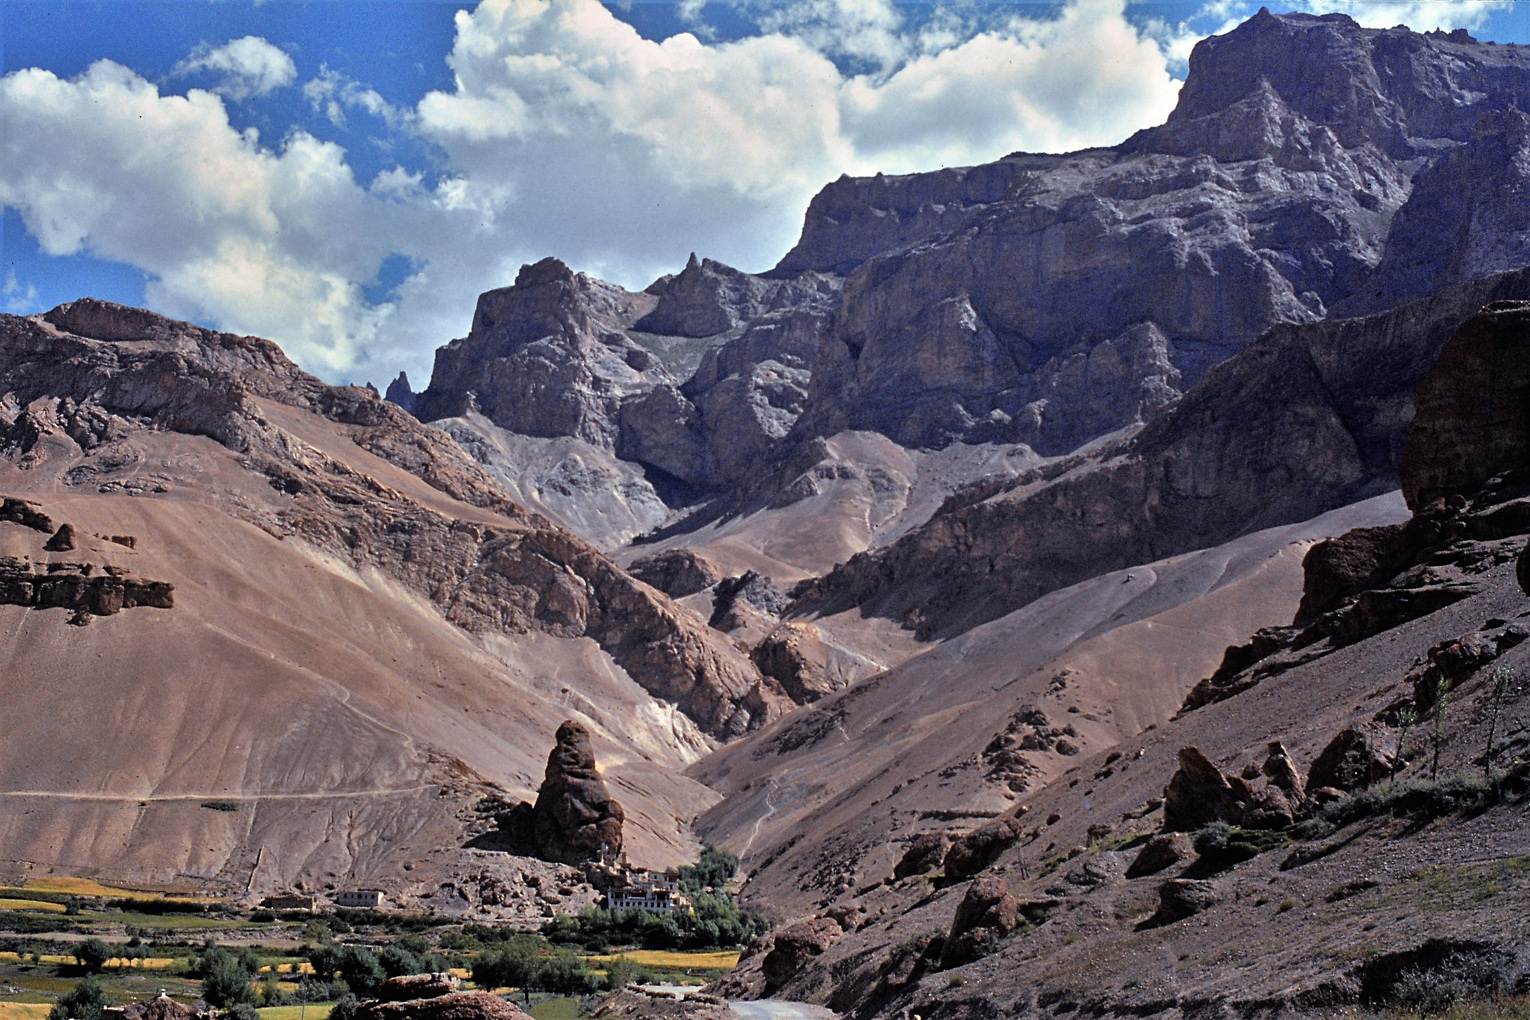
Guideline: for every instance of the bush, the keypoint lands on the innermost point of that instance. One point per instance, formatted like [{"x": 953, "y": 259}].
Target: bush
[
  {"x": 622, "y": 972},
  {"x": 1460, "y": 977},
  {"x": 243, "y": 1011},
  {"x": 515, "y": 966},
  {"x": 1221, "y": 845},
  {"x": 92, "y": 954},
  {"x": 82, "y": 1002},
  {"x": 715, "y": 923},
  {"x": 1420, "y": 798},
  {"x": 397, "y": 961},
  {"x": 226, "y": 980},
  {"x": 565, "y": 974}
]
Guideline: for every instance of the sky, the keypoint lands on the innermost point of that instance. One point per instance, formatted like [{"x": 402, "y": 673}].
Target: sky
[{"x": 346, "y": 176}]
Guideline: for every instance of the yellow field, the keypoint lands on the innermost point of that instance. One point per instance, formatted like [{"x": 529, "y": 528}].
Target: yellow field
[
  {"x": 671, "y": 960},
  {"x": 149, "y": 963},
  {"x": 313, "y": 1011},
  {"x": 286, "y": 968},
  {"x": 24, "y": 1010},
  {"x": 44, "y": 905},
  {"x": 90, "y": 887}
]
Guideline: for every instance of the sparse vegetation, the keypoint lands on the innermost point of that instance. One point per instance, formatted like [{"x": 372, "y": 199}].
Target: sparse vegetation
[
  {"x": 1462, "y": 976},
  {"x": 1221, "y": 845},
  {"x": 1419, "y": 798},
  {"x": 82, "y": 1002}
]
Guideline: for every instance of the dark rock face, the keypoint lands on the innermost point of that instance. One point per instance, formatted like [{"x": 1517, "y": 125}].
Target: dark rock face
[
  {"x": 574, "y": 819},
  {"x": 926, "y": 852},
  {"x": 987, "y": 912},
  {"x": 1352, "y": 761},
  {"x": 708, "y": 298},
  {"x": 979, "y": 848},
  {"x": 751, "y": 588},
  {"x": 409, "y": 987},
  {"x": 677, "y": 572},
  {"x": 794, "y": 945},
  {"x": 1472, "y": 411},
  {"x": 24, "y": 513},
  {"x": 794, "y": 655},
  {"x": 400, "y": 393}
]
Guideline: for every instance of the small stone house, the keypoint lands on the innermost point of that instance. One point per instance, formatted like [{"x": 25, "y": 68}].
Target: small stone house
[{"x": 365, "y": 898}]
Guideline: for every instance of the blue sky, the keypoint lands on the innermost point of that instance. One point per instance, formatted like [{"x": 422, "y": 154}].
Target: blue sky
[{"x": 345, "y": 176}]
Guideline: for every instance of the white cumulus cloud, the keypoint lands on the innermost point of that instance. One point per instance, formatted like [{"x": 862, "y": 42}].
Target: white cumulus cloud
[{"x": 250, "y": 66}]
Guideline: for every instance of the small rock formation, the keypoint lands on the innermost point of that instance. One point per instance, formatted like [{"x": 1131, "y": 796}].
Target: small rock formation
[
  {"x": 1179, "y": 898},
  {"x": 926, "y": 852},
  {"x": 62, "y": 540},
  {"x": 1159, "y": 853},
  {"x": 987, "y": 912},
  {"x": 25, "y": 513},
  {"x": 162, "y": 1007},
  {"x": 982, "y": 846},
  {"x": 574, "y": 819},
  {"x": 400, "y": 393},
  {"x": 795, "y": 655},
  {"x": 1199, "y": 793},
  {"x": 751, "y": 588},
  {"x": 676, "y": 572},
  {"x": 796, "y": 944},
  {"x": 453, "y": 1006},
  {"x": 1353, "y": 760}
]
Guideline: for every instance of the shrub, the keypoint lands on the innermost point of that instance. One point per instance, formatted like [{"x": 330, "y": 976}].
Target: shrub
[
  {"x": 622, "y": 972},
  {"x": 565, "y": 974},
  {"x": 82, "y": 1002},
  {"x": 345, "y": 1008},
  {"x": 397, "y": 961},
  {"x": 243, "y": 1011},
  {"x": 517, "y": 965},
  {"x": 1221, "y": 845},
  {"x": 1417, "y": 797},
  {"x": 1460, "y": 977},
  {"x": 226, "y": 980},
  {"x": 714, "y": 869}
]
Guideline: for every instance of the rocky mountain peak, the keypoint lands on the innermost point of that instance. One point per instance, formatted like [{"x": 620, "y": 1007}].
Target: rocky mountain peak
[{"x": 575, "y": 819}]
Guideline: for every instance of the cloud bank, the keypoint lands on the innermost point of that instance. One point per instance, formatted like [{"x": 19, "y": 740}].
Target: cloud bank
[{"x": 565, "y": 133}]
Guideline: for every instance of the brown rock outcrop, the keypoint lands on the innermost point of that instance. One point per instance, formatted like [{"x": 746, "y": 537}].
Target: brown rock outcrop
[
  {"x": 1353, "y": 760},
  {"x": 986, "y": 913},
  {"x": 1199, "y": 793},
  {"x": 926, "y": 852},
  {"x": 62, "y": 540},
  {"x": 794, "y": 945},
  {"x": 455, "y": 1006},
  {"x": 24, "y": 513},
  {"x": 975, "y": 851},
  {"x": 794, "y": 654},
  {"x": 83, "y": 587},
  {"x": 575, "y": 819}
]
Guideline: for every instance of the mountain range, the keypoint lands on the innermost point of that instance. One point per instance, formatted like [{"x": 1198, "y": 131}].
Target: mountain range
[{"x": 946, "y": 540}]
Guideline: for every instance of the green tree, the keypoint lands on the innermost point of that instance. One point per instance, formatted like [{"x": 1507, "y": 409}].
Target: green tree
[
  {"x": 92, "y": 954},
  {"x": 714, "y": 869},
  {"x": 361, "y": 971},
  {"x": 226, "y": 981},
  {"x": 565, "y": 974},
  {"x": 82, "y": 1002},
  {"x": 397, "y": 961},
  {"x": 517, "y": 965}
]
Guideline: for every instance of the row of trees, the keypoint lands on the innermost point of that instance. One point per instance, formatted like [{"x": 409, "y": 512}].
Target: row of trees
[{"x": 531, "y": 965}]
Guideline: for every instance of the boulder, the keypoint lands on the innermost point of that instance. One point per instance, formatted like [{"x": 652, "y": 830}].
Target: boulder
[
  {"x": 1179, "y": 898},
  {"x": 751, "y": 588},
  {"x": 1198, "y": 794},
  {"x": 455, "y": 1006},
  {"x": 574, "y": 819},
  {"x": 795, "y": 945},
  {"x": 1353, "y": 760},
  {"x": 1159, "y": 853},
  {"x": 979, "y": 848},
  {"x": 794, "y": 654},
  {"x": 926, "y": 852},
  {"x": 408, "y": 987},
  {"x": 987, "y": 912},
  {"x": 62, "y": 540}
]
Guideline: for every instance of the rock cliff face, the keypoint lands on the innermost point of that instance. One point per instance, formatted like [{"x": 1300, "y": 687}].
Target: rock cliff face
[
  {"x": 1323, "y": 416},
  {"x": 1049, "y": 299}
]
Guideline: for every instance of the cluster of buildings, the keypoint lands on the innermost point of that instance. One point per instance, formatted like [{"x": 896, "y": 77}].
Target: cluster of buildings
[
  {"x": 367, "y": 899},
  {"x": 653, "y": 891}
]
